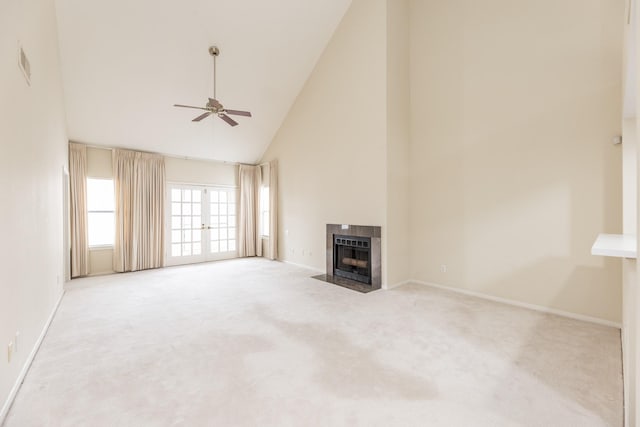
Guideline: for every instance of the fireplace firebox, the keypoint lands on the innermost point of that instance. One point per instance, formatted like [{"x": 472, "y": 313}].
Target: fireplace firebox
[{"x": 352, "y": 258}]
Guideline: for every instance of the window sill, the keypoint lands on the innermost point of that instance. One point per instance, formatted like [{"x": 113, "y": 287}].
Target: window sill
[
  {"x": 100, "y": 248},
  {"x": 615, "y": 245}
]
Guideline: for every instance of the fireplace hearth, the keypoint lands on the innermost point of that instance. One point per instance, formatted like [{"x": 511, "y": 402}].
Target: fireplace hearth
[{"x": 353, "y": 257}]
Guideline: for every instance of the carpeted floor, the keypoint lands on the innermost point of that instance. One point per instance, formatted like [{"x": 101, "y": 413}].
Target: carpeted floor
[{"x": 252, "y": 342}]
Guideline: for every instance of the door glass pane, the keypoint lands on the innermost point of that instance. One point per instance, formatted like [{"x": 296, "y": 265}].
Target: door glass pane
[
  {"x": 186, "y": 236},
  {"x": 196, "y": 209},
  {"x": 175, "y": 222},
  {"x": 232, "y": 221},
  {"x": 197, "y": 249},
  {"x": 186, "y": 195},
  {"x": 186, "y": 222},
  {"x": 197, "y": 235},
  {"x": 214, "y": 233},
  {"x": 175, "y": 236},
  {"x": 223, "y": 246},
  {"x": 214, "y": 247},
  {"x": 186, "y": 209},
  {"x": 223, "y": 196},
  {"x": 175, "y": 209},
  {"x": 175, "y": 195},
  {"x": 223, "y": 234},
  {"x": 186, "y": 249},
  {"x": 175, "y": 250},
  {"x": 196, "y": 196},
  {"x": 232, "y": 245}
]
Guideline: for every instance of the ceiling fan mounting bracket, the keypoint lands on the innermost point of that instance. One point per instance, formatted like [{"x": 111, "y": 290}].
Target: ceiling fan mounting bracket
[{"x": 214, "y": 51}]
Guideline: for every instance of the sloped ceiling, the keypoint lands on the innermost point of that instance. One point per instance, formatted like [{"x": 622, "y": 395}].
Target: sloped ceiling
[{"x": 125, "y": 63}]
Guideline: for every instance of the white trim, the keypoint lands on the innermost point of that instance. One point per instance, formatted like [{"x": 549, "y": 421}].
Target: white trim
[
  {"x": 295, "y": 264},
  {"x": 27, "y": 364},
  {"x": 395, "y": 285},
  {"x": 195, "y": 184},
  {"x": 535, "y": 307}
]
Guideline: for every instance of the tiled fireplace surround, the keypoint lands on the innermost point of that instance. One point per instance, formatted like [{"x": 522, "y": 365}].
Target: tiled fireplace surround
[{"x": 372, "y": 232}]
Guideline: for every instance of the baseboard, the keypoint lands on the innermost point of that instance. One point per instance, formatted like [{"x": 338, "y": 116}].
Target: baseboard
[
  {"x": 535, "y": 307},
  {"x": 308, "y": 267},
  {"x": 395, "y": 285},
  {"x": 27, "y": 363}
]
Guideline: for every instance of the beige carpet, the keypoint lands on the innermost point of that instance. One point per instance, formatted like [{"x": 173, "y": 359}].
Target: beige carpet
[{"x": 259, "y": 343}]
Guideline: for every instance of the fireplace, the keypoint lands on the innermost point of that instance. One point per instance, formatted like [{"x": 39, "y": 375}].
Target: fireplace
[{"x": 354, "y": 258}]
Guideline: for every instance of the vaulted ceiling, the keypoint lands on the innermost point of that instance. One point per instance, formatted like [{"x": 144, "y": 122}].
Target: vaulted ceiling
[{"x": 125, "y": 63}]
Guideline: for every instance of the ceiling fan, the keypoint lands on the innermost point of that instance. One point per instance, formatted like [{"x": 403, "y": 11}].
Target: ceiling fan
[{"x": 214, "y": 106}]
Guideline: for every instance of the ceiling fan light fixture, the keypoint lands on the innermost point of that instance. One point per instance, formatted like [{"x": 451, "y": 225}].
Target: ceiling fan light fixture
[{"x": 214, "y": 106}]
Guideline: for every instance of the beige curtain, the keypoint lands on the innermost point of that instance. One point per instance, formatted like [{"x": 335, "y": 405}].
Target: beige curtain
[
  {"x": 140, "y": 191},
  {"x": 273, "y": 209},
  {"x": 78, "y": 210},
  {"x": 249, "y": 243}
]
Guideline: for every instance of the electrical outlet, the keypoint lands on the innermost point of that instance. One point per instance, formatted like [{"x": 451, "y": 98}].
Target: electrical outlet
[
  {"x": 9, "y": 352},
  {"x": 443, "y": 268}
]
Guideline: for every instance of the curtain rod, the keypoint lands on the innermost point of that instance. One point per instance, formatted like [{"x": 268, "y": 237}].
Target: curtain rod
[{"x": 173, "y": 156}]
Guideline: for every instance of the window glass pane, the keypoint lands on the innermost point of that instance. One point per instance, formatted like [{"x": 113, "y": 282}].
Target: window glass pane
[
  {"x": 186, "y": 236},
  {"x": 175, "y": 250},
  {"x": 186, "y": 195},
  {"x": 100, "y": 194},
  {"x": 231, "y": 210},
  {"x": 175, "y": 236},
  {"x": 101, "y": 228},
  {"x": 195, "y": 221},
  {"x": 175, "y": 222},
  {"x": 186, "y": 209},
  {"x": 214, "y": 197},
  {"x": 197, "y": 235},
  {"x": 197, "y": 250},
  {"x": 223, "y": 234},
  {"x": 175, "y": 209},
  {"x": 223, "y": 209},
  {"x": 196, "y": 209},
  {"x": 214, "y": 234},
  {"x": 223, "y": 196},
  {"x": 196, "y": 196},
  {"x": 186, "y": 249},
  {"x": 175, "y": 195},
  {"x": 223, "y": 246},
  {"x": 213, "y": 221},
  {"x": 214, "y": 247},
  {"x": 232, "y": 245},
  {"x": 232, "y": 233},
  {"x": 214, "y": 209},
  {"x": 232, "y": 221}
]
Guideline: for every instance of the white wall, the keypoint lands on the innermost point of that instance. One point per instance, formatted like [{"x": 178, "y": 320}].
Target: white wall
[
  {"x": 513, "y": 173},
  {"x": 397, "y": 233},
  {"x": 33, "y": 153},
  {"x": 331, "y": 148}
]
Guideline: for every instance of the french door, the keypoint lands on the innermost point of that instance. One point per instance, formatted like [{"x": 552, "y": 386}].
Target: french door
[{"x": 201, "y": 224}]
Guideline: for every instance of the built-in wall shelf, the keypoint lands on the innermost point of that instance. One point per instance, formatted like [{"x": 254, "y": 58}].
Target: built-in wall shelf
[{"x": 615, "y": 245}]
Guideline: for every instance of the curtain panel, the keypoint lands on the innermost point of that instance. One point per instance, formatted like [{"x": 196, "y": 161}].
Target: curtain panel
[
  {"x": 78, "y": 210},
  {"x": 139, "y": 180},
  {"x": 249, "y": 243}
]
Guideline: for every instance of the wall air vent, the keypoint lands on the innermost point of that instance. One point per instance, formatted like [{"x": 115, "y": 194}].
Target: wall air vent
[{"x": 25, "y": 66}]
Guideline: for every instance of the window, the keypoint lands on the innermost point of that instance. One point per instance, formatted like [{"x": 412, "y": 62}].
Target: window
[
  {"x": 100, "y": 207},
  {"x": 264, "y": 211}
]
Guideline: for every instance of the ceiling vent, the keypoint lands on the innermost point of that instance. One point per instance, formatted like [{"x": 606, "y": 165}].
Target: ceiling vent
[{"x": 24, "y": 64}]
